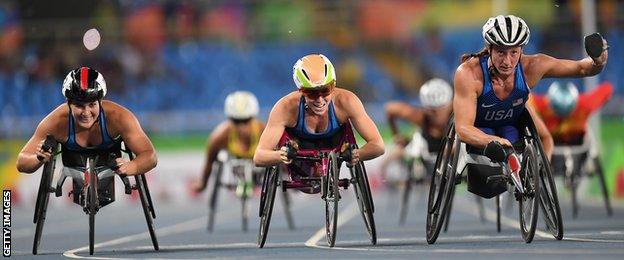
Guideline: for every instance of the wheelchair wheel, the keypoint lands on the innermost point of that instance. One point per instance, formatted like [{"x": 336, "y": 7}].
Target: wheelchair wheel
[
  {"x": 442, "y": 183},
  {"x": 267, "y": 197},
  {"x": 574, "y": 190},
  {"x": 548, "y": 196},
  {"x": 447, "y": 219},
  {"x": 244, "y": 214},
  {"x": 407, "y": 190},
  {"x": 92, "y": 202},
  {"x": 364, "y": 198},
  {"x": 498, "y": 214},
  {"x": 528, "y": 202},
  {"x": 287, "y": 212},
  {"x": 549, "y": 202},
  {"x": 43, "y": 197},
  {"x": 141, "y": 184},
  {"x": 603, "y": 185},
  {"x": 332, "y": 196},
  {"x": 214, "y": 196}
]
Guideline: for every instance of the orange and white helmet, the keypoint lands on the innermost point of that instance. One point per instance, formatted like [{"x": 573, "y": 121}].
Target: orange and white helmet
[{"x": 313, "y": 71}]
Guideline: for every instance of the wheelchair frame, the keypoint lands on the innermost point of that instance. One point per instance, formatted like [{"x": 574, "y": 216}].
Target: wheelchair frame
[
  {"x": 446, "y": 177},
  {"x": 327, "y": 184},
  {"x": 217, "y": 184},
  {"x": 88, "y": 198}
]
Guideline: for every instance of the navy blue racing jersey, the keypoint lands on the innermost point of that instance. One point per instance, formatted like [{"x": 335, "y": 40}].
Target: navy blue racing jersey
[{"x": 493, "y": 112}]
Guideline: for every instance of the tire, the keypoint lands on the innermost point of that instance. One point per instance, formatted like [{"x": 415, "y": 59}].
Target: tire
[
  {"x": 528, "y": 202},
  {"x": 549, "y": 202},
  {"x": 574, "y": 190},
  {"x": 364, "y": 199},
  {"x": 442, "y": 183},
  {"x": 43, "y": 197},
  {"x": 267, "y": 198},
  {"x": 287, "y": 211},
  {"x": 141, "y": 186},
  {"x": 332, "y": 196},
  {"x": 244, "y": 214},
  {"x": 92, "y": 202},
  {"x": 498, "y": 214},
  {"x": 214, "y": 196},
  {"x": 407, "y": 190},
  {"x": 603, "y": 186}
]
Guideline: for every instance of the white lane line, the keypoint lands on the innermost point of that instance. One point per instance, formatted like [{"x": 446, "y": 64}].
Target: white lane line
[
  {"x": 491, "y": 216},
  {"x": 186, "y": 226},
  {"x": 343, "y": 217}
]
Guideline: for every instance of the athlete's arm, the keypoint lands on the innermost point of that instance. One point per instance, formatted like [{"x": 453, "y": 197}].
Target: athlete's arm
[
  {"x": 401, "y": 110},
  {"x": 265, "y": 154},
  {"x": 215, "y": 143},
  {"x": 545, "y": 66},
  {"x": 365, "y": 126},
  {"x": 465, "y": 101},
  {"x": 135, "y": 138},
  {"x": 27, "y": 161}
]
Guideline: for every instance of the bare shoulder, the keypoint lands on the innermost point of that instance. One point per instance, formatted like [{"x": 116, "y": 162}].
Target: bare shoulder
[
  {"x": 343, "y": 97},
  {"x": 56, "y": 122},
  {"x": 286, "y": 109},
  {"x": 115, "y": 111},
  {"x": 469, "y": 70}
]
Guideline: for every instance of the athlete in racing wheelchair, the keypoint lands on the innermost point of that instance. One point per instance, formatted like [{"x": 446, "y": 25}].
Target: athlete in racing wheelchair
[
  {"x": 491, "y": 89},
  {"x": 311, "y": 130},
  {"x": 418, "y": 155},
  {"x": 229, "y": 152},
  {"x": 92, "y": 134},
  {"x": 566, "y": 113}
]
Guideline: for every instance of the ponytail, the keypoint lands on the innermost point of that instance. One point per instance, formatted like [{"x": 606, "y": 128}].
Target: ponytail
[{"x": 481, "y": 53}]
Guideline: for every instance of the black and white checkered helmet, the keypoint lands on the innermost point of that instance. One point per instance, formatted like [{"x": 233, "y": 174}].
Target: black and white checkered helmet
[{"x": 506, "y": 30}]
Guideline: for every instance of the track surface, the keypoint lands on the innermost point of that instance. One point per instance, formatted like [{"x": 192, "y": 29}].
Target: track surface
[{"x": 121, "y": 232}]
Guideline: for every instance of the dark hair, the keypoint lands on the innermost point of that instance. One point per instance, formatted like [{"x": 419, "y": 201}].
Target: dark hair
[{"x": 481, "y": 53}]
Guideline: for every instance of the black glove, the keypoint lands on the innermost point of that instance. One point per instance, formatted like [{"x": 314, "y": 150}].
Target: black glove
[
  {"x": 594, "y": 45},
  {"x": 495, "y": 151}
]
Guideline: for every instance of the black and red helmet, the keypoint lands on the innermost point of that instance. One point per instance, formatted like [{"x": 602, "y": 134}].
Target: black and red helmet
[{"x": 84, "y": 85}]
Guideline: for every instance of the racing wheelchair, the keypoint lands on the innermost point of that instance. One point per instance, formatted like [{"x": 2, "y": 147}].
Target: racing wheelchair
[
  {"x": 576, "y": 160},
  {"x": 242, "y": 179},
  {"x": 315, "y": 168},
  {"x": 93, "y": 186},
  {"x": 489, "y": 175}
]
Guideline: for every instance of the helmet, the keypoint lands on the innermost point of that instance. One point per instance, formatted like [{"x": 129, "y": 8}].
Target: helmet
[
  {"x": 506, "y": 30},
  {"x": 563, "y": 99},
  {"x": 313, "y": 71},
  {"x": 241, "y": 105},
  {"x": 84, "y": 84},
  {"x": 435, "y": 93}
]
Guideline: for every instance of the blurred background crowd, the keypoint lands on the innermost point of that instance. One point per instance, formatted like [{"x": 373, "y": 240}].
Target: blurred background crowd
[{"x": 177, "y": 60}]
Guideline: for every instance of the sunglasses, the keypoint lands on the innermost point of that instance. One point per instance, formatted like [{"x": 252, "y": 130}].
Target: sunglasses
[
  {"x": 316, "y": 93},
  {"x": 240, "y": 121}
]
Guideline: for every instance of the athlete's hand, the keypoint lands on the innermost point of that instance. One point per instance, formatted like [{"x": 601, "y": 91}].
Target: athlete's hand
[
  {"x": 355, "y": 157},
  {"x": 284, "y": 155},
  {"x": 42, "y": 154},
  {"x": 125, "y": 167},
  {"x": 602, "y": 59},
  {"x": 503, "y": 141}
]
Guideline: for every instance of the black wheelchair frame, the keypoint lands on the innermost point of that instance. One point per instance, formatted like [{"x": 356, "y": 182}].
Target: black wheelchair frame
[
  {"x": 87, "y": 197},
  {"x": 445, "y": 178}
]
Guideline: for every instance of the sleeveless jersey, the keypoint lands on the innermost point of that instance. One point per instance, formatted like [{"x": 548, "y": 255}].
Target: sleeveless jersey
[
  {"x": 233, "y": 145},
  {"x": 300, "y": 129}
]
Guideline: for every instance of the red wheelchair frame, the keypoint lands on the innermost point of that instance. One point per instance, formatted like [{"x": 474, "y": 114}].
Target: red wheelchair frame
[{"x": 320, "y": 174}]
